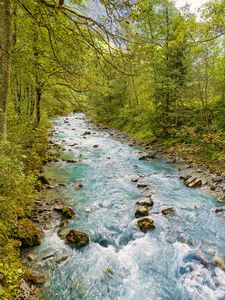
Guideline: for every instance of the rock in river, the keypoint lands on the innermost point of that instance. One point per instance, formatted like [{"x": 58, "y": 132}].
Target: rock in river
[
  {"x": 193, "y": 182},
  {"x": 87, "y": 133},
  {"x": 145, "y": 202},
  {"x": 68, "y": 212},
  {"x": 150, "y": 155},
  {"x": 77, "y": 239},
  {"x": 166, "y": 210},
  {"x": 146, "y": 224},
  {"x": 134, "y": 179},
  {"x": 142, "y": 185},
  {"x": 141, "y": 211}
]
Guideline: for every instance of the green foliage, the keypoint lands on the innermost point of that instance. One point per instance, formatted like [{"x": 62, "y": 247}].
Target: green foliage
[{"x": 21, "y": 159}]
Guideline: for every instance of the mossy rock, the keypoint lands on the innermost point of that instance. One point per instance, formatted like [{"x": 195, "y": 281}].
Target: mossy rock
[
  {"x": 68, "y": 212},
  {"x": 146, "y": 224},
  {"x": 28, "y": 233},
  {"x": 77, "y": 239}
]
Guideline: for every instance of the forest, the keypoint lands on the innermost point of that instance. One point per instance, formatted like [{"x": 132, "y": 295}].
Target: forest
[{"x": 144, "y": 67}]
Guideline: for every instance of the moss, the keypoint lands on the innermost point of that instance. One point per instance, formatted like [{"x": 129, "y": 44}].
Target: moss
[
  {"x": 11, "y": 270},
  {"x": 28, "y": 233}
]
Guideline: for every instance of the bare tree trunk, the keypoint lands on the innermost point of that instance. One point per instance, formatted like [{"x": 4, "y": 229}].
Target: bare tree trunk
[
  {"x": 5, "y": 49},
  {"x": 38, "y": 108}
]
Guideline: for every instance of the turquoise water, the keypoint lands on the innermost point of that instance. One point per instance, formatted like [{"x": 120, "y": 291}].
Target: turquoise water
[{"x": 172, "y": 262}]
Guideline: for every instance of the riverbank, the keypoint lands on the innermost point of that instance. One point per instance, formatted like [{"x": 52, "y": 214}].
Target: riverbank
[{"x": 180, "y": 159}]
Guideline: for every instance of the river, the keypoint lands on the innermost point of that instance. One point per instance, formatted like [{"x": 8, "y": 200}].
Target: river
[{"x": 172, "y": 262}]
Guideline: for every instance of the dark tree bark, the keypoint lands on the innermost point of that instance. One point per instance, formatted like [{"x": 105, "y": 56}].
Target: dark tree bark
[{"x": 5, "y": 49}]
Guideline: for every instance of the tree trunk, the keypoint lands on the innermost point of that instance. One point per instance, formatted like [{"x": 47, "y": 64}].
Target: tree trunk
[
  {"x": 5, "y": 49},
  {"x": 38, "y": 108}
]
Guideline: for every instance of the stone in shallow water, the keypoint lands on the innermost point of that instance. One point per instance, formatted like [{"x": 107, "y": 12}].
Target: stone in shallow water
[
  {"x": 141, "y": 185},
  {"x": 61, "y": 259},
  {"x": 145, "y": 202},
  {"x": 193, "y": 182},
  {"x": 87, "y": 133},
  {"x": 141, "y": 211},
  {"x": 68, "y": 212},
  {"x": 150, "y": 155},
  {"x": 77, "y": 238},
  {"x": 146, "y": 224},
  {"x": 166, "y": 210},
  {"x": 219, "y": 262},
  {"x": 36, "y": 277},
  {"x": 134, "y": 179},
  {"x": 218, "y": 210}
]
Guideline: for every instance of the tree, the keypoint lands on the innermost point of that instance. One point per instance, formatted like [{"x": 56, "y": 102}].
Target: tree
[{"x": 5, "y": 49}]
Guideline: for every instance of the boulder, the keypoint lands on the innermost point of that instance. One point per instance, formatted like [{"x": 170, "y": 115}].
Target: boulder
[
  {"x": 145, "y": 202},
  {"x": 141, "y": 211},
  {"x": 68, "y": 212},
  {"x": 166, "y": 210},
  {"x": 134, "y": 179},
  {"x": 193, "y": 182},
  {"x": 36, "y": 277},
  {"x": 149, "y": 156},
  {"x": 146, "y": 224},
  {"x": 219, "y": 262},
  {"x": 142, "y": 185},
  {"x": 218, "y": 210},
  {"x": 77, "y": 239},
  {"x": 28, "y": 233},
  {"x": 87, "y": 133},
  {"x": 218, "y": 179}
]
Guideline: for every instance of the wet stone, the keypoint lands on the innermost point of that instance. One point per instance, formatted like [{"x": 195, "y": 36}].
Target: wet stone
[
  {"x": 146, "y": 224},
  {"x": 149, "y": 156},
  {"x": 134, "y": 179},
  {"x": 145, "y": 202},
  {"x": 68, "y": 212},
  {"x": 141, "y": 211},
  {"x": 166, "y": 210},
  {"x": 142, "y": 185},
  {"x": 61, "y": 259},
  {"x": 87, "y": 133},
  {"x": 193, "y": 182},
  {"x": 218, "y": 210},
  {"x": 77, "y": 239}
]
